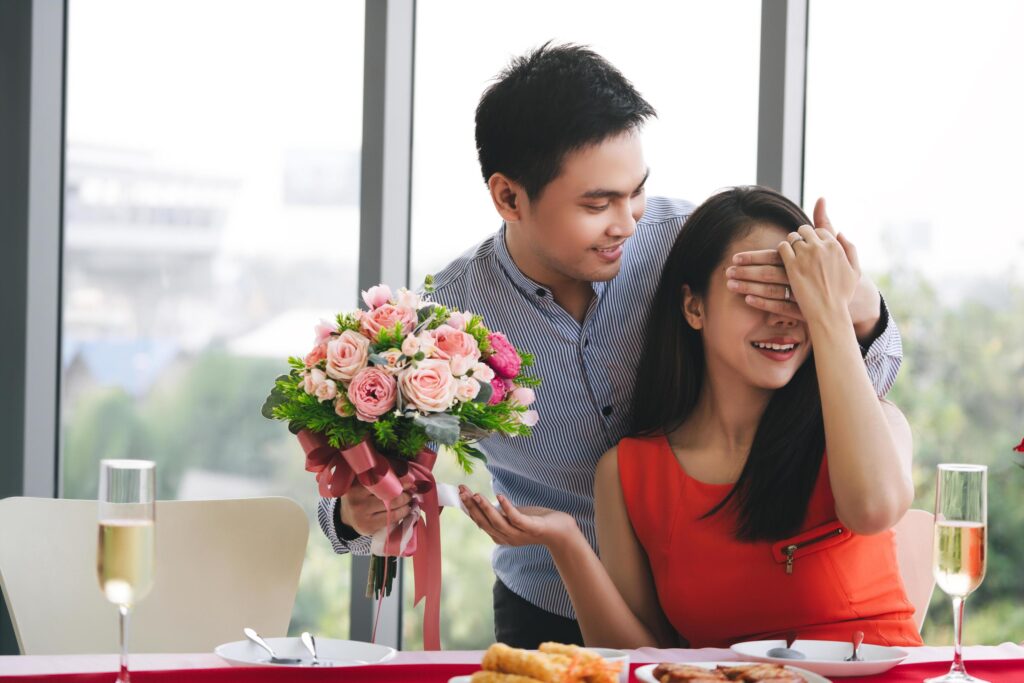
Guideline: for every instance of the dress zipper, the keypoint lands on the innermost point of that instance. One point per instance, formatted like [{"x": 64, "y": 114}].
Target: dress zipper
[{"x": 791, "y": 549}]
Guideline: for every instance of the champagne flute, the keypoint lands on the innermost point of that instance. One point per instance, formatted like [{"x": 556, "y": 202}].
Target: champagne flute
[
  {"x": 961, "y": 512},
  {"x": 126, "y": 552}
]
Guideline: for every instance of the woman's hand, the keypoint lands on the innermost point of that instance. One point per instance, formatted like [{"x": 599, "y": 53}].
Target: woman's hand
[
  {"x": 823, "y": 272},
  {"x": 517, "y": 526}
]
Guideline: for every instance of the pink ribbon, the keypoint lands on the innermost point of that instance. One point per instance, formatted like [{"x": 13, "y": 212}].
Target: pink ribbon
[{"x": 386, "y": 478}]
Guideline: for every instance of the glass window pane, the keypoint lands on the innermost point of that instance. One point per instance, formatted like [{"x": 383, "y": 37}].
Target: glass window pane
[
  {"x": 696, "y": 62},
  {"x": 916, "y": 143},
  {"x": 212, "y": 217}
]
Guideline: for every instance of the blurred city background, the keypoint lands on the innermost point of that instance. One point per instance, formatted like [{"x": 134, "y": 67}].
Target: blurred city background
[{"x": 212, "y": 217}]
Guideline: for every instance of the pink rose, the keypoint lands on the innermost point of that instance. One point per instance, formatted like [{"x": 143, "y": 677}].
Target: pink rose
[
  {"x": 500, "y": 387},
  {"x": 324, "y": 329},
  {"x": 458, "y": 320},
  {"x": 522, "y": 396},
  {"x": 346, "y": 355},
  {"x": 425, "y": 340},
  {"x": 529, "y": 418},
  {"x": 503, "y": 358},
  {"x": 318, "y": 353},
  {"x": 462, "y": 364},
  {"x": 407, "y": 299},
  {"x": 375, "y": 297},
  {"x": 410, "y": 346},
  {"x": 428, "y": 386},
  {"x": 466, "y": 389},
  {"x": 451, "y": 342},
  {"x": 312, "y": 380},
  {"x": 483, "y": 372},
  {"x": 342, "y": 408},
  {"x": 385, "y": 317},
  {"x": 326, "y": 390},
  {"x": 394, "y": 360},
  {"x": 372, "y": 393}
]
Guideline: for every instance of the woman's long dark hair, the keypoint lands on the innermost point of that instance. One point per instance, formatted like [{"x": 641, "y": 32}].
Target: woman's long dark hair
[{"x": 774, "y": 489}]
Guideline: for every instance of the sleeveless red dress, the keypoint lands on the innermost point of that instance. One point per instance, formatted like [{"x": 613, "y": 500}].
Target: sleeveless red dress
[{"x": 824, "y": 582}]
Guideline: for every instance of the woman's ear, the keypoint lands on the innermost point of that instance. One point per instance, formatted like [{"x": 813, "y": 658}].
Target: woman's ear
[
  {"x": 693, "y": 308},
  {"x": 507, "y": 196}
]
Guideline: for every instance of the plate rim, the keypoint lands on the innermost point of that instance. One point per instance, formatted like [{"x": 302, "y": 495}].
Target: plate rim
[
  {"x": 813, "y": 677},
  {"x": 389, "y": 654},
  {"x": 894, "y": 661}
]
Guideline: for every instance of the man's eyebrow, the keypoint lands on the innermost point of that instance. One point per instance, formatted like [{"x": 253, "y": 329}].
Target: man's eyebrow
[{"x": 612, "y": 194}]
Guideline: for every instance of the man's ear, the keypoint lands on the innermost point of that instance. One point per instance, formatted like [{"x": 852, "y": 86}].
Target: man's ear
[
  {"x": 693, "y": 308},
  {"x": 507, "y": 196}
]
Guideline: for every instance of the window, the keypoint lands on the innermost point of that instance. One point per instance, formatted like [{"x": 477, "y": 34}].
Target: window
[
  {"x": 673, "y": 53},
  {"x": 916, "y": 143},
  {"x": 211, "y": 217}
]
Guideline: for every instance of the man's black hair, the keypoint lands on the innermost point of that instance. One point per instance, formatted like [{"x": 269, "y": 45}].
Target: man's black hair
[{"x": 548, "y": 103}]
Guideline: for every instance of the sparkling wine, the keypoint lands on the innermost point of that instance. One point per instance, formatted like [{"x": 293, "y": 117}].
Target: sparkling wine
[
  {"x": 125, "y": 560},
  {"x": 959, "y": 556}
]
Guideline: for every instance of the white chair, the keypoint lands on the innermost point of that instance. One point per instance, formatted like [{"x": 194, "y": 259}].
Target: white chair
[
  {"x": 220, "y": 565},
  {"x": 914, "y": 541}
]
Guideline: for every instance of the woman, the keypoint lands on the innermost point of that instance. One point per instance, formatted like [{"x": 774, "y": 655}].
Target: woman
[{"x": 757, "y": 495}]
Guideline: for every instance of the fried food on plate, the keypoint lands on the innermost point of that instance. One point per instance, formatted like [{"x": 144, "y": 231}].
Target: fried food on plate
[{"x": 553, "y": 663}]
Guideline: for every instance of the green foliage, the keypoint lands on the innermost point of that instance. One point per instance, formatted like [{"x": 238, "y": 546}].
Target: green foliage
[
  {"x": 465, "y": 454},
  {"x": 388, "y": 339},
  {"x": 526, "y": 359},
  {"x": 475, "y": 328},
  {"x": 502, "y": 418},
  {"x": 347, "y": 321},
  {"x": 525, "y": 380}
]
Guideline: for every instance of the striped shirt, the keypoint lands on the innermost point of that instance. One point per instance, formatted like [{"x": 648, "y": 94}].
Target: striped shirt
[{"x": 589, "y": 370}]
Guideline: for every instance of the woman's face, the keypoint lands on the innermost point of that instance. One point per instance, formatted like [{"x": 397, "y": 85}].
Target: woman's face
[{"x": 763, "y": 349}]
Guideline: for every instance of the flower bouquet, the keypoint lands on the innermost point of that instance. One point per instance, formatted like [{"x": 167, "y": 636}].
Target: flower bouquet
[{"x": 382, "y": 384}]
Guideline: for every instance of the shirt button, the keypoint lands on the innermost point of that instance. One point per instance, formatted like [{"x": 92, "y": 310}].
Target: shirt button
[
  {"x": 606, "y": 411},
  {"x": 540, "y": 292}
]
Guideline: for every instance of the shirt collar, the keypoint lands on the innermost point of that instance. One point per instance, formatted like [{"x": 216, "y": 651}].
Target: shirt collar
[{"x": 526, "y": 285}]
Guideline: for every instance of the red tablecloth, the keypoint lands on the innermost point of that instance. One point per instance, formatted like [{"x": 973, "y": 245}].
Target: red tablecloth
[{"x": 994, "y": 671}]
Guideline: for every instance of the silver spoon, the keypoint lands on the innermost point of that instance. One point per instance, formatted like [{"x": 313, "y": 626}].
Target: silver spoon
[
  {"x": 786, "y": 652},
  {"x": 310, "y": 642},
  {"x": 858, "y": 638},
  {"x": 274, "y": 659}
]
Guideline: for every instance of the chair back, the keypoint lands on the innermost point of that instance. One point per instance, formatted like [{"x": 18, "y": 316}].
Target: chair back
[
  {"x": 914, "y": 540},
  {"x": 220, "y": 565}
]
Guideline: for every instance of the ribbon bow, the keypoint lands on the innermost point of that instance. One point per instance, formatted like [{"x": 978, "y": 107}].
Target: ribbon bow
[{"x": 386, "y": 478}]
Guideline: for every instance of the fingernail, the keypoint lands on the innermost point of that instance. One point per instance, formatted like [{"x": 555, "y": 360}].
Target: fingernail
[
  {"x": 732, "y": 284},
  {"x": 737, "y": 258},
  {"x": 731, "y": 270}
]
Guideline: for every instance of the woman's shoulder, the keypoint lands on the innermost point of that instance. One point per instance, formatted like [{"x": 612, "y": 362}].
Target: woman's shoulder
[{"x": 646, "y": 443}]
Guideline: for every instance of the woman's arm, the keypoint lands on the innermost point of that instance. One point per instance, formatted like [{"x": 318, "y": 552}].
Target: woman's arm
[
  {"x": 622, "y": 612},
  {"x": 868, "y": 441}
]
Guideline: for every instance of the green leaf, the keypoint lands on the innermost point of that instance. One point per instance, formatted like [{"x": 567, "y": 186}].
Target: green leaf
[
  {"x": 486, "y": 391},
  {"x": 277, "y": 397},
  {"x": 440, "y": 427}
]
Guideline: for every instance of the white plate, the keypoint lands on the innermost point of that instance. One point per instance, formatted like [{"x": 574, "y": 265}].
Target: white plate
[
  {"x": 645, "y": 673},
  {"x": 826, "y": 656},
  {"x": 331, "y": 652}
]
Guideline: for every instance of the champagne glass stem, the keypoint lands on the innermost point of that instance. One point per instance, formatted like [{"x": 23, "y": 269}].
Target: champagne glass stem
[
  {"x": 122, "y": 676},
  {"x": 958, "y": 629}
]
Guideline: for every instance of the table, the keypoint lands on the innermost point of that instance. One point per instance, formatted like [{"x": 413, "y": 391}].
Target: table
[{"x": 425, "y": 666}]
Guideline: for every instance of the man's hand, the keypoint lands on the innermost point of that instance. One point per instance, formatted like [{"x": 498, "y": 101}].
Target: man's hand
[
  {"x": 366, "y": 513},
  {"x": 762, "y": 277}
]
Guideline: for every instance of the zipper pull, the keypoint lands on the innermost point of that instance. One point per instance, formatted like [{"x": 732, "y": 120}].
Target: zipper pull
[{"x": 790, "y": 549}]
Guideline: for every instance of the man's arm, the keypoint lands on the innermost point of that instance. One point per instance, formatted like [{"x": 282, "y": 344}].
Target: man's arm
[{"x": 343, "y": 538}]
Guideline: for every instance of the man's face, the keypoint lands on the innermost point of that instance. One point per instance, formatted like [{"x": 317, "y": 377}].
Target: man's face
[{"x": 578, "y": 226}]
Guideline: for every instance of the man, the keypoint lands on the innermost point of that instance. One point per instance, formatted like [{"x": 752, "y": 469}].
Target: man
[{"x": 568, "y": 277}]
